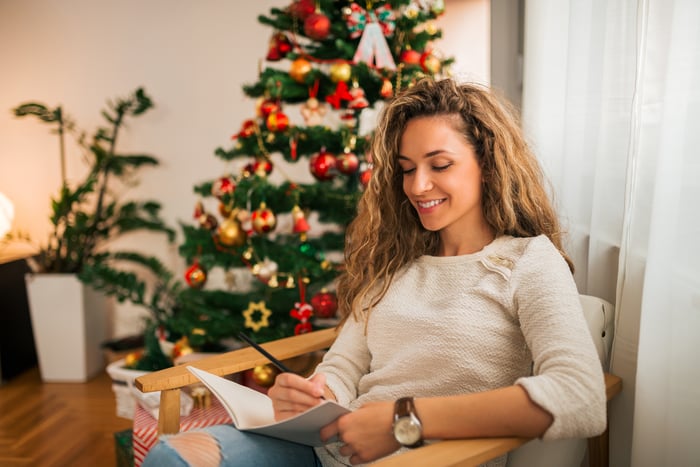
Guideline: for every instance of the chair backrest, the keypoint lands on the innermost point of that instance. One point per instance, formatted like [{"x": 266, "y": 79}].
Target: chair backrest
[{"x": 600, "y": 316}]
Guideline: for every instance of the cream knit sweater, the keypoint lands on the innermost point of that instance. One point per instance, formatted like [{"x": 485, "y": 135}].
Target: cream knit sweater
[{"x": 509, "y": 314}]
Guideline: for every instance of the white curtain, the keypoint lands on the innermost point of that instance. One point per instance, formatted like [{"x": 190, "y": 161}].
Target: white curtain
[{"x": 611, "y": 103}]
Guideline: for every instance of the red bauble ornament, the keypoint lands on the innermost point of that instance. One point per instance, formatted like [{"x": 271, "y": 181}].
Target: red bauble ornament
[
  {"x": 321, "y": 165},
  {"x": 265, "y": 107},
  {"x": 410, "y": 57},
  {"x": 365, "y": 176},
  {"x": 196, "y": 276},
  {"x": 325, "y": 304},
  {"x": 302, "y": 8},
  {"x": 208, "y": 221},
  {"x": 277, "y": 121},
  {"x": 263, "y": 219},
  {"x": 347, "y": 163},
  {"x": 317, "y": 26},
  {"x": 247, "y": 129},
  {"x": 223, "y": 186},
  {"x": 261, "y": 167},
  {"x": 198, "y": 210},
  {"x": 279, "y": 47},
  {"x": 430, "y": 63}
]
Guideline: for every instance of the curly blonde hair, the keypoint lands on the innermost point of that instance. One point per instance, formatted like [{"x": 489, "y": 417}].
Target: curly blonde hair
[{"x": 387, "y": 234}]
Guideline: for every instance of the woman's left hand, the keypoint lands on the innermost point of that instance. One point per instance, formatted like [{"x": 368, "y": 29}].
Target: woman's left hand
[{"x": 366, "y": 433}]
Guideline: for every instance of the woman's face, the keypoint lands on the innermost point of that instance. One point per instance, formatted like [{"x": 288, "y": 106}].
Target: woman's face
[{"x": 441, "y": 176}]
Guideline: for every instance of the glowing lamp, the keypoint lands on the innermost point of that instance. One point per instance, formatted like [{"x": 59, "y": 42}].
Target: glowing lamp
[{"x": 7, "y": 214}]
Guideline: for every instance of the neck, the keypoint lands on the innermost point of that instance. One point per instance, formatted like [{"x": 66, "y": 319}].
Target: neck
[{"x": 466, "y": 244}]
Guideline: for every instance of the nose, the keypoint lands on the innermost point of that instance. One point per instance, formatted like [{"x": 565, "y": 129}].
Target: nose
[{"x": 421, "y": 182}]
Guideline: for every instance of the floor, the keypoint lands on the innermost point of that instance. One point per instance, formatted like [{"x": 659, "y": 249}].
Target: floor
[{"x": 58, "y": 424}]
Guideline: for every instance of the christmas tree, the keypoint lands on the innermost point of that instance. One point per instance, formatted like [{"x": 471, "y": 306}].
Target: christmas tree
[{"x": 328, "y": 61}]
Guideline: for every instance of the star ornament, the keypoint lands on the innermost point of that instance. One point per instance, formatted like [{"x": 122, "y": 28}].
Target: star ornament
[{"x": 250, "y": 315}]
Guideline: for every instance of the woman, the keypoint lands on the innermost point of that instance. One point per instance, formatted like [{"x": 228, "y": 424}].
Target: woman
[{"x": 461, "y": 317}]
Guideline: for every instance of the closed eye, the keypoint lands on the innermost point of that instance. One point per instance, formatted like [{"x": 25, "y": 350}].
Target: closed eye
[
  {"x": 441, "y": 168},
  {"x": 408, "y": 171}
]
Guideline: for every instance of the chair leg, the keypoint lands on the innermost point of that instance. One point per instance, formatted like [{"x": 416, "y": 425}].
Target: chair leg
[
  {"x": 598, "y": 450},
  {"x": 169, "y": 412}
]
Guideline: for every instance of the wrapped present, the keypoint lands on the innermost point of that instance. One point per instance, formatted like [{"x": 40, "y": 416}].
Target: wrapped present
[
  {"x": 123, "y": 448},
  {"x": 146, "y": 426}
]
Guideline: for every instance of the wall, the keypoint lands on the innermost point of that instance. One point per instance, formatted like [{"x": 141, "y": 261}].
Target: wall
[
  {"x": 192, "y": 57},
  {"x": 507, "y": 31}
]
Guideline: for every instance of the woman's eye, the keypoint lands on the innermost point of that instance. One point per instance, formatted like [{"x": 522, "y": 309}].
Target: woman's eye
[
  {"x": 440, "y": 168},
  {"x": 408, "y": 171}
]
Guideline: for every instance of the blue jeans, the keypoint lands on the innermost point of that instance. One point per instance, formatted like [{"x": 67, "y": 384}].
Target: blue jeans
[{"x": 239, "y": 448}]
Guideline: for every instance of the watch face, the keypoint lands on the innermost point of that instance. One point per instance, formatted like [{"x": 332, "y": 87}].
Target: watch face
[{"x": 407, "y": 431}]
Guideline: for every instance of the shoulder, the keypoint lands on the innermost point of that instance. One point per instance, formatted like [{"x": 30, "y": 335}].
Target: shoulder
[
  {"x": 517, "y": 250},
  {"x": 527, "y": 258}
]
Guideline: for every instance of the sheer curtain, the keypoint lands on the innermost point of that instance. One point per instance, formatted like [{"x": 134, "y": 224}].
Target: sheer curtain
[{"x": 611, "y": 103}]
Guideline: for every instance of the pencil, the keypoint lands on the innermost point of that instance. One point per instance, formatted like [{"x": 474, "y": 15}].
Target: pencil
[{"x": 280, "y": 366}]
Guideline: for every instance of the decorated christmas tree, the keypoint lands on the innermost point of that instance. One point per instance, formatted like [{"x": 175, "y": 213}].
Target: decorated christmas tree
[{"x": 328, "y": 62}]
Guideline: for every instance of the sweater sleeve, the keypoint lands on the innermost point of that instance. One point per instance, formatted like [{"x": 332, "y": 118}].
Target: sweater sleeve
[
  {"x": 567, "y": 376},
  {"x": 346, "y": 361}
]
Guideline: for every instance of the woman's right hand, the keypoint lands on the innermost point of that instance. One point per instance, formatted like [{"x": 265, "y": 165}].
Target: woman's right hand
[{"x": 292, "y": 394}]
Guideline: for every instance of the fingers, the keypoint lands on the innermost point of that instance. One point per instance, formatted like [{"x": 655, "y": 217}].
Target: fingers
[
  {"x": 365, "y": 433},
  {"x": 309, "y": 390},
  {"x": 292, "y": 394},
  {"x": 329, "y": 433},
  {"x": 319, "y": 381}
]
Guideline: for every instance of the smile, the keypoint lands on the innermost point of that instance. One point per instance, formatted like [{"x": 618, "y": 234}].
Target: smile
[{"x": 429, "y": 204}]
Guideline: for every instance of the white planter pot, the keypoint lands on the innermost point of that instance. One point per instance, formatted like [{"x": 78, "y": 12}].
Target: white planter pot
[
  {"x": 70, "y": 322},
  {"x": 122, "y": 386}
]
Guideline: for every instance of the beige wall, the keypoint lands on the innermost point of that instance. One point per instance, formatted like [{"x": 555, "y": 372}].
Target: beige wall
[
  {"x": 192, "y": 57},
  {"x": 466, "y": 29}
]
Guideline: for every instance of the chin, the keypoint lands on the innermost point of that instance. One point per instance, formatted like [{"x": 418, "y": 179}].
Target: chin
[{"x": 431, "y": 227}]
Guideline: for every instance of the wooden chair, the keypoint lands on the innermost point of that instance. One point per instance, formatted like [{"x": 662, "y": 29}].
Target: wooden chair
[{"x": 460, "y": 452}]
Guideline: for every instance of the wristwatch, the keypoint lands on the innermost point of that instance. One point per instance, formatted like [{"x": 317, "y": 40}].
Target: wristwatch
[{"x": 408, "y": 429}]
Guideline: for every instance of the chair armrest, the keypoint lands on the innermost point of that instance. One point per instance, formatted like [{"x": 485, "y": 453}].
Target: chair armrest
[
  {"x": 170, "y": 380},
  {"x": 454, "y": 452},
  {"x": 235, "y": 361},
  {"x": 472, "y": 452}
]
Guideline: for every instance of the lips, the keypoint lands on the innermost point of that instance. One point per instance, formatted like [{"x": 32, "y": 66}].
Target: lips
[{"x": 429, "y": 204}]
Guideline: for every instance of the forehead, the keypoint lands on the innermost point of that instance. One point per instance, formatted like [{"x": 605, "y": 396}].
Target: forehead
[
  {"x": 451, "y": 122},
  {"x": 423, "y": 132}
]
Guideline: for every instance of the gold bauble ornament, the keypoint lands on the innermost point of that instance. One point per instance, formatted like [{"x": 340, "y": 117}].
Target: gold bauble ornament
[
  {"x": 340, "y": 72},
  {"x": 264, "y": 375},
  {"x": 387, "y": 89},
  {"x": 230, "y": 232},
  {"x": 430, "y": 63},
  {"x": 299, "y": 69}
]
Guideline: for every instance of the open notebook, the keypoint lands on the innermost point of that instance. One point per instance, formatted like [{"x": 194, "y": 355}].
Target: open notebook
[{"x": 252, "y": 411}]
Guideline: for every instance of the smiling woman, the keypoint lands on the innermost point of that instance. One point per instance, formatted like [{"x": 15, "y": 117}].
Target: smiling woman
[
  {"x": 453, "y": 263},
  {"x": 442, "y": 179}
]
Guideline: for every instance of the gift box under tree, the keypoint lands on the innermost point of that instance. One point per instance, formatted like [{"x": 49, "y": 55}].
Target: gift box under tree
[{"x": 145, "y": 432}]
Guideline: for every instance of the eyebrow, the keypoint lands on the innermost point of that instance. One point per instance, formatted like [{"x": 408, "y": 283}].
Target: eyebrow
[{"x": 427, "y": 155}]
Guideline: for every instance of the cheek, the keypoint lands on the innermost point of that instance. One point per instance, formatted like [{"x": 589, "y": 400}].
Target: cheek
[{"x": 406, "y": 185}]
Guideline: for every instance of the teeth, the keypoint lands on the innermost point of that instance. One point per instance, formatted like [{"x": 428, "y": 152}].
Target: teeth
[{"x": 429, "y": 204}]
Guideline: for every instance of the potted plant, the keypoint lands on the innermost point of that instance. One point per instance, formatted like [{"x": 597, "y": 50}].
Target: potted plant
[{"x": 76, "y": 268}]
